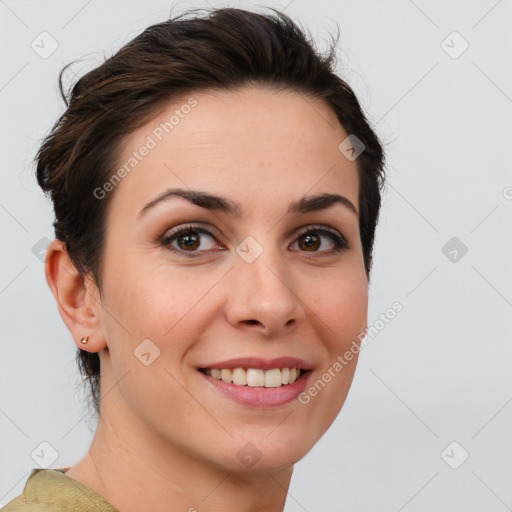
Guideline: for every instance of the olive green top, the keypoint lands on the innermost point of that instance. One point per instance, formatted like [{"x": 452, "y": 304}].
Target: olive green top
[{"x": 51, "y": 490}]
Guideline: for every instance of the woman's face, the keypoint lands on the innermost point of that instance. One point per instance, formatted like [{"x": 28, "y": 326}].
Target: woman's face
[{"x": 259, "y": 280}]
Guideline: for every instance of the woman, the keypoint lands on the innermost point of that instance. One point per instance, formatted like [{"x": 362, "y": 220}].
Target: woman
[{"x": 216, "y": 190}]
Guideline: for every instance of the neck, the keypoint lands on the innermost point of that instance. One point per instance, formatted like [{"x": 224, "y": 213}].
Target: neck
[{"x": 135, "y": 473}]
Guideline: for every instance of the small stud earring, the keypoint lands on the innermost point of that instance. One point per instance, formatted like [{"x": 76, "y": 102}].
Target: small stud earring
[{"x": 84, "y": 340}]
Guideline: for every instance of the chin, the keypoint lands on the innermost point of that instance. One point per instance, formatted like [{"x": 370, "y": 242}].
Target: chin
[{"x": 268, "y": 450}]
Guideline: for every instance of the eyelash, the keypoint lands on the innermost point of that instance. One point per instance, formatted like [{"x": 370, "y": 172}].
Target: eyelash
[{"x": 340, "y": 242}]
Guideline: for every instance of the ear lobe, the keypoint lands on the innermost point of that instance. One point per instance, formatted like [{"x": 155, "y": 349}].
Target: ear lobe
[{"x": 77, "y": 298}]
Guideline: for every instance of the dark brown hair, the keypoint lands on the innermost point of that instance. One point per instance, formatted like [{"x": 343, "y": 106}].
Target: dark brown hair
[{"x": 223, "y": 49}]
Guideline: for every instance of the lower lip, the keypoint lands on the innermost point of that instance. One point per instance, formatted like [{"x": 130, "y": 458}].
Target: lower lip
[{"x": 260, "y": 396}]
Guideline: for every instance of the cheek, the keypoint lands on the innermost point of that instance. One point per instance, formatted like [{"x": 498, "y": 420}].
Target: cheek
[
  {"x": 158, "y": 302},
  {"x": 339, "y": 313},
  {"x": 341, "y": 305}
]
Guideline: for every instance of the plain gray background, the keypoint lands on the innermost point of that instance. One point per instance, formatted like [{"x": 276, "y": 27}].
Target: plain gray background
[{"x": 439, "y": 372}]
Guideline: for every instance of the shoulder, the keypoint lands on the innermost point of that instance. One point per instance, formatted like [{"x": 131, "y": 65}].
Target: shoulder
[
  {"x": 50, "y": 490},
  {"x": 25, "y": 501}
]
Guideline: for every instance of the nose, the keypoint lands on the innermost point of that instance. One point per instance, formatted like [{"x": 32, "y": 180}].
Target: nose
[{"x": 263, "y": 297}]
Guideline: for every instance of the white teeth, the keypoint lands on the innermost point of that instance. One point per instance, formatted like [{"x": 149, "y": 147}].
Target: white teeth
[
  {"x": 255, "y": 377},
  {"x": 273, "y": 378},
  {"x": 239, "y": 377},
  {"x": 226, "y": 375},
  {"x": 216, "y": 373}
]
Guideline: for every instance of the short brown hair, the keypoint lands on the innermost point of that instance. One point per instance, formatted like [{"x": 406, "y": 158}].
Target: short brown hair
[{"x": 224, "y": 49}]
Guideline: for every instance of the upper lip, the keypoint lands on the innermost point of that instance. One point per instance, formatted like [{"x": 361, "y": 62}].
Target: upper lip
[{"x": 264, "y": 364}]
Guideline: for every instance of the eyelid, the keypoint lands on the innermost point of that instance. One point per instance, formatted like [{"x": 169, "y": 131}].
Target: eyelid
[
  {"x": 337, "y": 237},
  {"x": 165, "y": 239},
  {"x": 318, "y": 227},
  {"x": 192, "y": 225}
]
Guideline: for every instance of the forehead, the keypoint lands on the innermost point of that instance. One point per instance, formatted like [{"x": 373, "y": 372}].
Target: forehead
[{"x": 251, "y": 143}]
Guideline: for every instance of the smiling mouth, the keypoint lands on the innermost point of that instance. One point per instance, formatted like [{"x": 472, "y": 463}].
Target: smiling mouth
[{"x": 255, "y": 377}]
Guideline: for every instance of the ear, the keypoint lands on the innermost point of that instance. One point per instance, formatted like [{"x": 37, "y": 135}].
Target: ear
[{"x": 77, "y": 298}]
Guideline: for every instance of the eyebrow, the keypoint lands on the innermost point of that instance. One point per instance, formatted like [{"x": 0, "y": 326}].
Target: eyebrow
[{"x": 209, "y": 201}]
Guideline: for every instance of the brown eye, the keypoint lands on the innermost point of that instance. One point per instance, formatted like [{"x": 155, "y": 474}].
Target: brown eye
[
  {"x": 188, "y": 240},
  {"x": 310, "y": 240}
]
